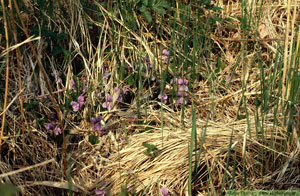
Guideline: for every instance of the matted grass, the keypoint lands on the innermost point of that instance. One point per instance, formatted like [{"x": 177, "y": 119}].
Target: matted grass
[{"x": 246, "y": 133}]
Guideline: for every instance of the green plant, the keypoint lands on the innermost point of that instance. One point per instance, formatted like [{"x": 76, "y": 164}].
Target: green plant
[
  {"x": 147, "y": 7},
  {"x": 151, "y": 150}
]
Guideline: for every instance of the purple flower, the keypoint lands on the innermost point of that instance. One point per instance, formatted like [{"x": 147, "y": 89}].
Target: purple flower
[
  {"x": 227, "y": 78},
  {"x": 80, "y": 100},
  {"x": 96, "y": 120},
  {"x": 164, "y": 98},
  {"x": 117, "y": 89},
  {"x": 52, "y": 116},
  {"x": 97, "y": 127},
  {"x": 125, "y": 90},
  {"x": 180, "y": 101},
  {"x": 165, "y": 52},
  {"x": 99, "y": 118},
  {"x": 72, "y": 84},
  {"x": 99, "y": 95},
  {"x": 93, "y": 120},
  {"x": 49, "y": 126},
  {"x": 100, "y": 192},
  {"x": 173, "y": 80},
  {"x": 106, "y": 105},
  {"x": 147, "y": 60},
  {"x": 57, "y": 131},
  {"x": 120, "y": 98},
  {"x": 37, "y": 92},
  {"x": 59, "y": 80},
  {"x": 164, "y": 191},
  {"x": 180, "y": 81},
  {"x": 130, "y": 188},
  {"x": 108, "y": 98},
  {"x": 122, "y": 140},
  {"x": 75, "y": 106},
  {"x": 105, "y": 76},
  {"x": 165, "y": 56}
]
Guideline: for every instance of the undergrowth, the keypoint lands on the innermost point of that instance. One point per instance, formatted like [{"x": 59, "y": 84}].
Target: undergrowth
[{"x": 148, "y": 97}]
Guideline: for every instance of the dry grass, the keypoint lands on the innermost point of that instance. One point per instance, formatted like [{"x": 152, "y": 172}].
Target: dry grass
[{"x": 110, "y": 164}]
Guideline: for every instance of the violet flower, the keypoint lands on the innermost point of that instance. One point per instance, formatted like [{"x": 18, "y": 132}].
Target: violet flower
[
  {"x": 165, "y": 56},
  {"x": 49, "y": 126},
  {"x": 129, "y": 188},
  {"x": 125, "y": 90},
  {"x": 107, "y": 104},
  {"x": 72, "y": 84},
  {"x": 164, "y": 98},
  {"x": 99, "y": 118},
  {"x": 97, "y": 123},
  {"x": 165, "y": 52},
  {"x": 122, "y": 140},
  {"x": 108, "y": 97},
  {"x": 80, "y": 99},
  {"x": 97, "y": 127},
  {"x": 57, "y": 131},
  {"x": 164, "y": 191},
  {"x": 79, "y": 103},
  {"x": 182, "y": 90},
  {"x": 37, "y": 92},
  {"x": 75, "y": 106},
  {"x": 58, "y": 79},
  {"x": 148, "y": 62},
  {"x": 93, "y": 120},
  {"x": 100, "y": 192}
]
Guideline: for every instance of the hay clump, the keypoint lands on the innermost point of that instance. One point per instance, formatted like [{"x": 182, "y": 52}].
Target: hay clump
[{"x": 170, "y": 168}]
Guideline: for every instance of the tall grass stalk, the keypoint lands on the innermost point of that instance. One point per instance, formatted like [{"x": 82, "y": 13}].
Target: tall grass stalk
[{"x": 191, "y": 150}]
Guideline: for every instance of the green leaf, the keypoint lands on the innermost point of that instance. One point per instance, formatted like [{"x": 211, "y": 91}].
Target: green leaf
[
  {"x": 93, "y": 139},
  {"x": 147, "y": 16},
  {"x": 160, "y": 10},
  {"x": 151, "y": 150},
  {"x": 164, "y": 4},
  {"x": 215, "y": 8},
  {"x": 131, "y": 80},
  {"x": 142, "y": 8},
  {"x": 8, "y": 189},
  {"x": 145, "y": 2}
]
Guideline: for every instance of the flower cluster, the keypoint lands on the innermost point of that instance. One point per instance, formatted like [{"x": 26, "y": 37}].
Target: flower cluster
[
  {"x": 165, "y": 56},
  {"x": 72, "y": 84},
  {"x": 53, "y": 124},
  {"x": 57, "y": 77},
  {"x": 106, "y": 73},
  {"x": 148, "y": 62},
  {"x": 108, "y": 99},
  {"x": 181, "y": 91},
  {"x": 108, "y": 102},
  {"x": 77, "y": 104},
  {"x": 164, "y": 98},
  {"x": 97, "y": 123},
  {"x": 121, "y": 93}
]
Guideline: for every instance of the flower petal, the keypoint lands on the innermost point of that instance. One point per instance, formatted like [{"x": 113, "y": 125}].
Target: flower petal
[
  {"x": 75, "y": 106},
  {"x": 164, "y": 191}
]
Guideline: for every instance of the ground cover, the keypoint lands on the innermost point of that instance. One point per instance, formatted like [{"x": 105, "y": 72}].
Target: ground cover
[{"x": 147, "y": 97}]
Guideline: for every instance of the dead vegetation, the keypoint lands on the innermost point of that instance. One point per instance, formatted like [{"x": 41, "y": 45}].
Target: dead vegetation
[{"x": 268, "y": 159}]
